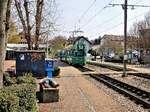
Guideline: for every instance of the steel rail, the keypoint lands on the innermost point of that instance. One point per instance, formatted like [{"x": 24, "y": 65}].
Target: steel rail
[
  {"x": 115, "y": 68},
  {"x": 140, "y": 96},
  {"x": 143, "y": 75},
  {"x": 83, "y": 69}
]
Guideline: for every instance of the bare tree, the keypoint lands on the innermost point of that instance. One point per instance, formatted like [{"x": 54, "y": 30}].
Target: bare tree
[
  {"x": 135, "y": 32},
  {"x": 49, "y": 19},
  {"x": 24, "y": 20},
  {"x": 4, "y": 26},
  {"x": 38, "y": 18},
  {"x": 140, "y": 31},
  {"x": 147, "y": 19}
]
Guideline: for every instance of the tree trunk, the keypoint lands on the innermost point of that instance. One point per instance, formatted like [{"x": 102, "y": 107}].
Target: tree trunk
[
  {"x": 4, "y": 26},
  {"x": 28, "y": 34},
  {"x": 38, "y": 17},
  {"x": 8, "y": 14},
  {"x": 25, "y": 23}
]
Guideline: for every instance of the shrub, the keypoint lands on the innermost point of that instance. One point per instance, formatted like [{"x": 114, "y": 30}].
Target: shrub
[
  {"x": 19, "y": 95},
  {"x": 56, "y": 71},
  {"x": 26, "y": 78},
  {"x": 8, "y": 81},
  {"x": 8, "y": 101},
  {"x": 26, "y": 94}
]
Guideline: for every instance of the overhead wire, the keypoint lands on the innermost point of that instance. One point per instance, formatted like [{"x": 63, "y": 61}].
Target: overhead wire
[
  {"x": 138, "y": 2},
  {"x": 86, "y": 11},
  {"x": 115, "y": 26},
  {"x": 101, "y": 10},
  {"x": 108, "y": 20},
  {"x": 114, "y": 17}
]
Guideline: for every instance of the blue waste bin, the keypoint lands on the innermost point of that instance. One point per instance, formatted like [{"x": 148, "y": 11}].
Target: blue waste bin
[{"x": 49, "y": 67}]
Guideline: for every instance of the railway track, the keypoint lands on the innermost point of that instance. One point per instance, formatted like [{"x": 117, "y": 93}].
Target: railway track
[
  {"x": 143, "y": 75},
  {"x": 83, "y": 69},
  {"x": 115, "y": 68},
  {"x": 139, "y": 96}
]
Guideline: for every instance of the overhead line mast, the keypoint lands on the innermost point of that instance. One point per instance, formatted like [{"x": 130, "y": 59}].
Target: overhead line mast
[
  {"x": 125, "y": 8},
  {"x": 130, "y": 5},
  {"x": 125, "y": 38}
]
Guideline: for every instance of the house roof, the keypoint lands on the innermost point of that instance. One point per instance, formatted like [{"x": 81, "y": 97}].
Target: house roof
[
  {"x": 95, "y": 47},
  {"x": 113, "y": 37},
  {"x": 79, "y": 37},
  {"x": 69, "y": 47},
  {"x": 23, "y": 46},
  {"x": 146, "y": 29}
]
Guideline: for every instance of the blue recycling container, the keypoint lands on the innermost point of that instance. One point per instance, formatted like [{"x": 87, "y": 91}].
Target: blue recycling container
[{"x": 49, "y": 67}]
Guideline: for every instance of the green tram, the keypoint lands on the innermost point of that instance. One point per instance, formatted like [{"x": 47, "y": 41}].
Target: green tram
[{"x": 75, "y": 55}]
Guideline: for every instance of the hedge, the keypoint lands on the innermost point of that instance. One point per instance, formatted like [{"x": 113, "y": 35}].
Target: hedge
[
  {"x": 8, "y": 102},
  {"x": 8, "y": 81},
  {"x": 19, "y": 96},
  {"x": 26, "y": 78}
]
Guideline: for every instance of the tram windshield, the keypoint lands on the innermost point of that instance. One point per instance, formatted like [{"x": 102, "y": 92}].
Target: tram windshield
[{"x": 79, "y": 53}]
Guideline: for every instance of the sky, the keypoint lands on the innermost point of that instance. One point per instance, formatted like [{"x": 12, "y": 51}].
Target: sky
[{"x": 95, "y": 20}]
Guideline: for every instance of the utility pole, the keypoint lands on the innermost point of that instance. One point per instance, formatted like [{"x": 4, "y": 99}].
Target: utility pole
[
  {"x": 125, "y": 39},
  {"x": 125, "y": 8}
]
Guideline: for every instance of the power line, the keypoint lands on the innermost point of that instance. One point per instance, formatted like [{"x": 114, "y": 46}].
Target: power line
[
  {"x": 114, "y": 17},
  {"x": 108, "y": 20},
  {"x": 138, "y": 2},
  {"x": 86, "y": 11},
  {"x": 133, "y": 17},
  {"x": 93, "y": 17},
  {"x": 115, "y": 26},
  {"x": 111, "y": 28},
  {"x": 96, "y": 14}
]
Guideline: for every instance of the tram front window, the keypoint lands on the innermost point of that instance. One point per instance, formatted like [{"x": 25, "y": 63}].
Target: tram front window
[{"x": 79, "y": 53}]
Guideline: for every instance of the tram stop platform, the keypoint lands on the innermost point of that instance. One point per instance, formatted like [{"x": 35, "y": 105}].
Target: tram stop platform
[{"x": 77, "y": 94}]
